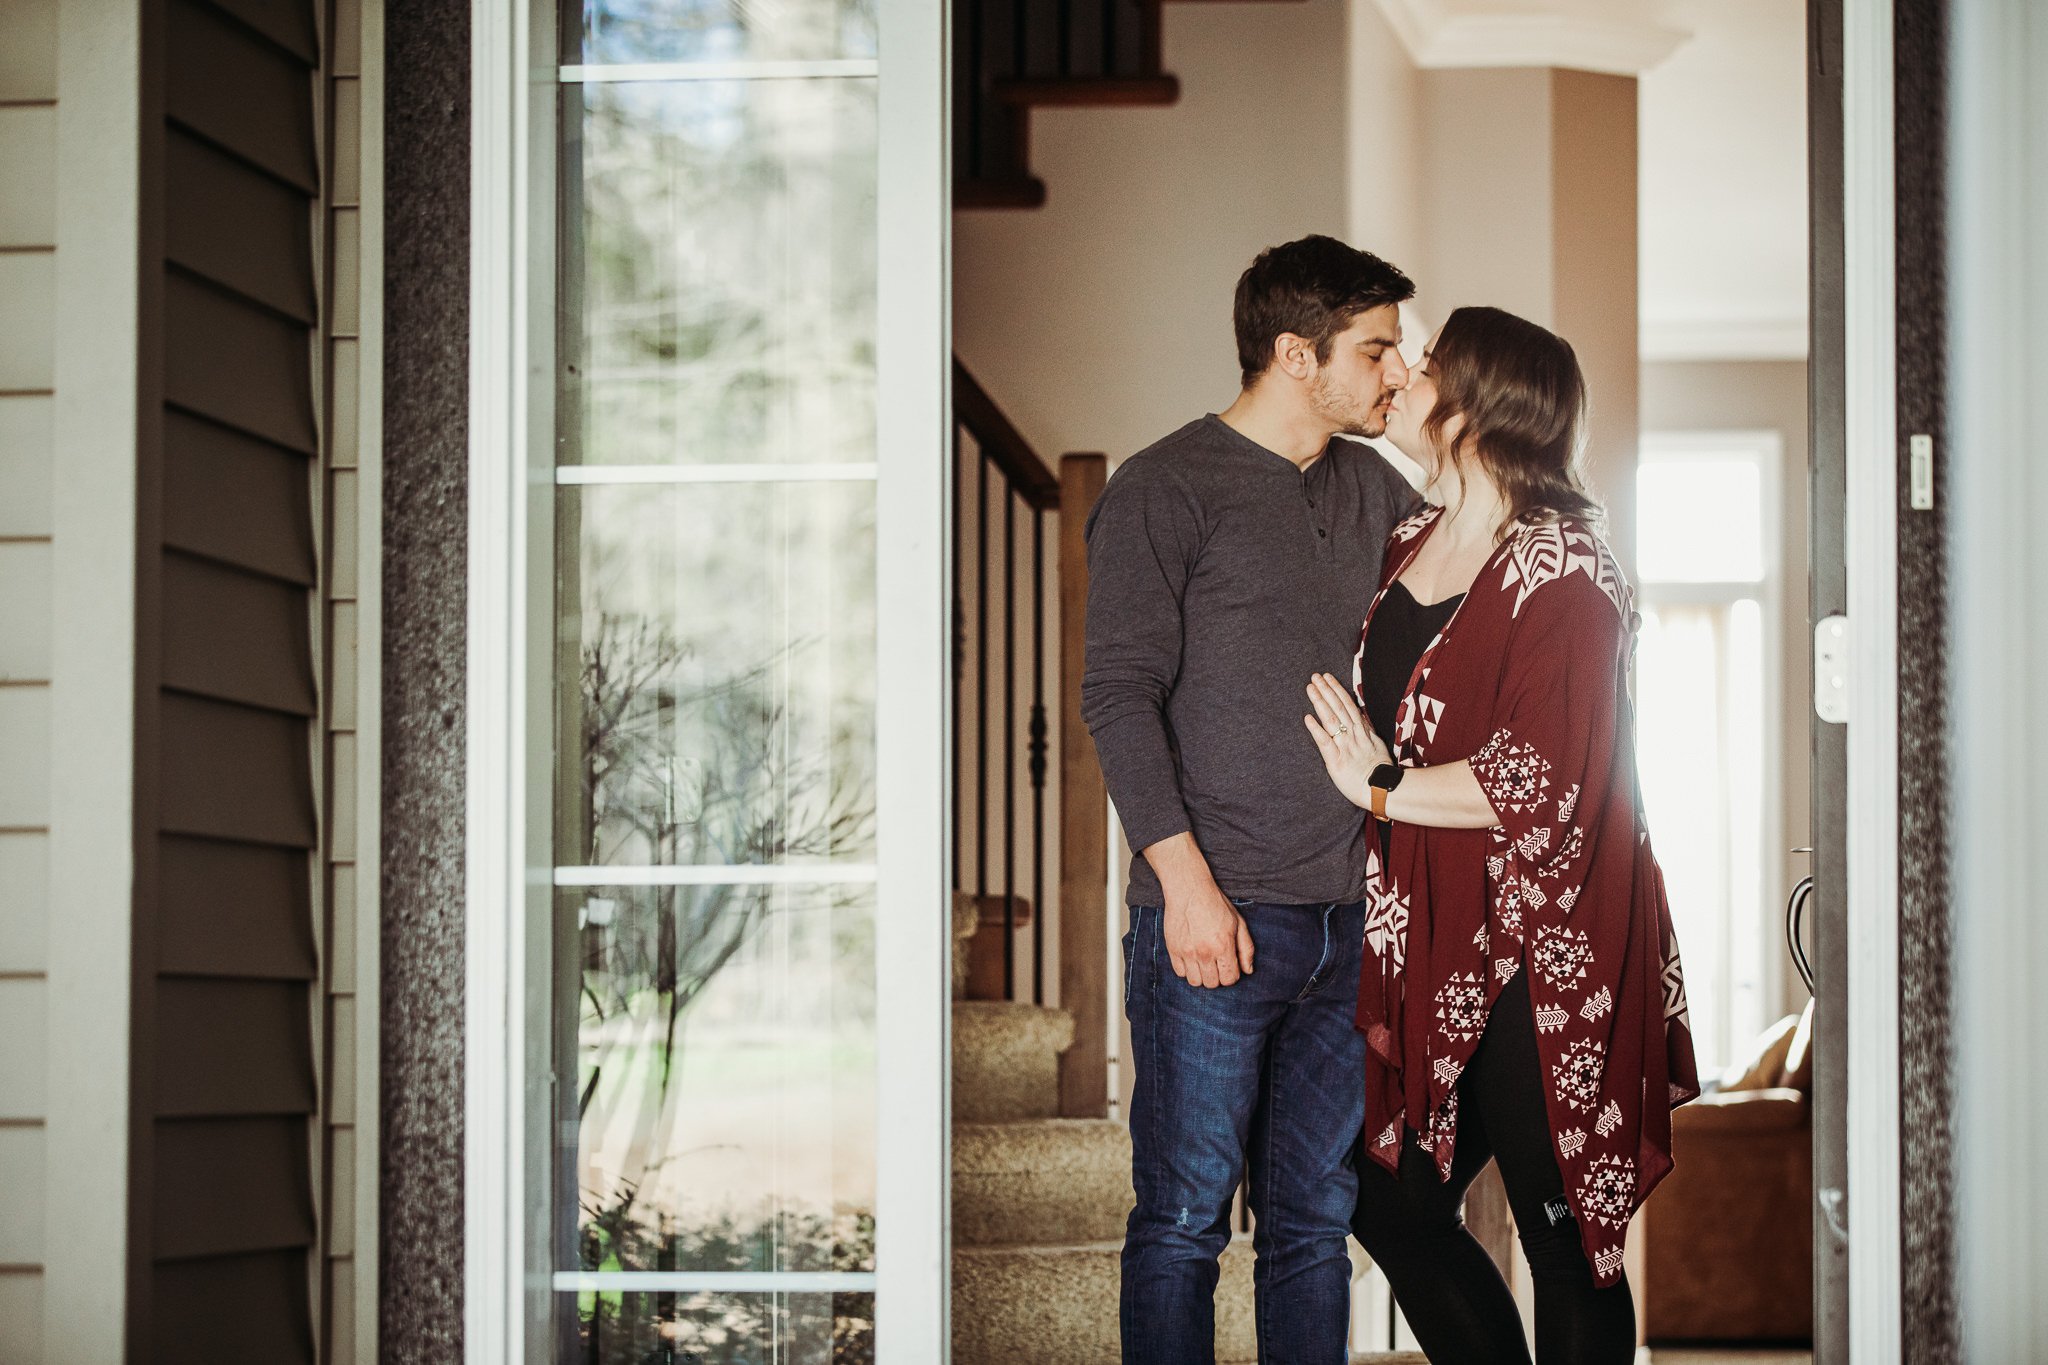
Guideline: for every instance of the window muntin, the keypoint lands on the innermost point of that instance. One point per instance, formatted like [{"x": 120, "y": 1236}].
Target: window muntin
[{"x": 713, "y": 1011}]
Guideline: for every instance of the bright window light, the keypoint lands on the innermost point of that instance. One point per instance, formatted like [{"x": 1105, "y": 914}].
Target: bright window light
[
  {"x": 1700, "y": 519},
  {"x": 1704, "y": 733}
]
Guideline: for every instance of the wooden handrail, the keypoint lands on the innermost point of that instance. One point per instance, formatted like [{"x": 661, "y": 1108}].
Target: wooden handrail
[{"x": 1000, "y": 440}]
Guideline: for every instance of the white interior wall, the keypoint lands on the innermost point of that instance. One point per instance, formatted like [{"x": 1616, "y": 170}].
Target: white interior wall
[
  {"x": 28, "y": 227},
  {"x": 1102, "y": 320}
]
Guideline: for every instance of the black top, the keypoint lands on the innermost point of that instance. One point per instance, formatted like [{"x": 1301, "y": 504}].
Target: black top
[
  {"x": 1401, "y": 630},
  {"x": 1220, "y": 579}
]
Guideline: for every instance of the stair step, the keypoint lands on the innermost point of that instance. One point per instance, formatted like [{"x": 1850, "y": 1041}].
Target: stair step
[
  {"x": 1046, "y": 1182},
  {"x": 1058, "y": 1305},
  {"x": 1089, "y": 91},
  {"x": 1006, "y": 1060}
]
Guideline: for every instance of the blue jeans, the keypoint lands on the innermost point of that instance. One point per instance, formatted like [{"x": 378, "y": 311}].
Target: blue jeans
[{"x": 1266, "y": 1075}]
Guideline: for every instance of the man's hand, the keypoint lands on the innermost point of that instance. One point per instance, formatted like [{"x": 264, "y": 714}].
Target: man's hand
[{"x": 1207, "y": 941}]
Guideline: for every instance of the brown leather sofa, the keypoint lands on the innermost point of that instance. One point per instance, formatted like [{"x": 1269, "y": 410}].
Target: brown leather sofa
[{"x": 1728, "y": 1236}]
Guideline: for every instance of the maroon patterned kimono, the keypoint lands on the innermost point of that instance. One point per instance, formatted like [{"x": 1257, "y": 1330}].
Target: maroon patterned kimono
[{"x": 1529, "y": 681}]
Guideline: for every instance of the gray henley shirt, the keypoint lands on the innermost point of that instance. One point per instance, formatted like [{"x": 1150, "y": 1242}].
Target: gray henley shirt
[{"x": 1220, "y": 577}]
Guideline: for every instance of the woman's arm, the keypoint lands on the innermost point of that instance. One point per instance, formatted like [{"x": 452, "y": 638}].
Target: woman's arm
[{"x": 1447, "y": 796}]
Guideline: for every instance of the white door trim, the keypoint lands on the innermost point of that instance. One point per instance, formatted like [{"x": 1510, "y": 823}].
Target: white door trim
[
  {"x": 913, "y": 944},
  {"x": 1997, "y": 500},
  {"x": 506, "y": 1271},
  {"x": 494, "y": 1015},
  {"x": 1869, "y": 248}
]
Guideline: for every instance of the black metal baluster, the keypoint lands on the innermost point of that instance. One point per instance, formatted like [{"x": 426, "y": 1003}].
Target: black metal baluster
[
  {"x": 1038, "y": 757},
  {"x": 1009, "y": 739}
]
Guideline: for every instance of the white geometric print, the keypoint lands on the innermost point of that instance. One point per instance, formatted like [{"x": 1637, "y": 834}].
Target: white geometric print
[
  {"x": 1567, "y": 854},
  {"x": 1516, "y": 898},
  {"x": 1610, "y": 1119},
  {"x": 1386, "y": 927},
  {"x": 1578, "y": 1073},
  {"x": 1431, "y": 713},
  {"x": 1601, "y": 1003},
  {"x": 1569, "y": 804},
  {"x": 1544, "y": 554},
  {"x": 1674, "y": 993},
  {"x": 1461, "y": 1007},
  {"x": 1504, "y": 969},
  {"x": 1571, "y": 1141},
  {"x": 1608, "y": 1189},
  {"x": 1561, "y": 956},
  {"x": 1515, "y": 775},
  {"x": 1607, "y": 1261},
  {"x": 1412, "y": 527},
  {"x": 1552, "y": 1018},
  {"x": 1448, "y": 1070}
]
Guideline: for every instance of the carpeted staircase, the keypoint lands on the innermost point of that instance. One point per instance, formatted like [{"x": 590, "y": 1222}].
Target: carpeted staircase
[{"x": 1039, "y": 1201}]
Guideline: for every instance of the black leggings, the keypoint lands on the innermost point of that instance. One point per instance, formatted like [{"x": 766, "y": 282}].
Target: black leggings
[{"x": 1413, "y": 1226}]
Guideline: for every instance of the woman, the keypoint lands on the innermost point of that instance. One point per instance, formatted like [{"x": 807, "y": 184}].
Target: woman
[{"x": 1522, "y": 999}]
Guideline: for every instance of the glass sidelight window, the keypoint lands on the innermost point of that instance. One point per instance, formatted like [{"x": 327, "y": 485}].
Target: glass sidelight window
[{"x": 711, "y": 1020}]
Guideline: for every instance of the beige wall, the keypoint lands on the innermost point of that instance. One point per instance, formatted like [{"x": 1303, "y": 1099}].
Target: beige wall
[
  {"x": 1530, "y": 205},
  {"x": 1384, "y": 151},
  {"x": 1764, "y": 395},
  {"x": 1102, "y": 320}
]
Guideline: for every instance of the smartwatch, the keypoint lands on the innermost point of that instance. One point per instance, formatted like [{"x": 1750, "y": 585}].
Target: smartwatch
[{"x": 1384, "y": 779}]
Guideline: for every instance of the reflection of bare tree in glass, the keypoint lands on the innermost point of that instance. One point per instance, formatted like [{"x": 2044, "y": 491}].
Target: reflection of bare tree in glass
[
  {"x": 711, "y": 774},
  {"x": 744, "y": 797}
]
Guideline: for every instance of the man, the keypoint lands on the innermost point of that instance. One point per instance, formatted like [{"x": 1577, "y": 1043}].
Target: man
[{"x": 1227, "y": 564}]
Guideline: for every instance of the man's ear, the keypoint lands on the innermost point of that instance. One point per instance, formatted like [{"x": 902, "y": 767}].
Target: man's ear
[{"x": 1294, "y": 355}]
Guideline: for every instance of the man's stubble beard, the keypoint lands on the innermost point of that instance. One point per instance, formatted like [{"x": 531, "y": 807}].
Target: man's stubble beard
[{"x": 1338, "y": 408}]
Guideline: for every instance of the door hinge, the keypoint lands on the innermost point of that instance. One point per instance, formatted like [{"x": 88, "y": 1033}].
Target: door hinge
[{"x": 1831, "y": 669}]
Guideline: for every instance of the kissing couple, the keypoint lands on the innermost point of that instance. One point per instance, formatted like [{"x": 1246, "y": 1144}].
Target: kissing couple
[{"x": 1394, "y": 913}]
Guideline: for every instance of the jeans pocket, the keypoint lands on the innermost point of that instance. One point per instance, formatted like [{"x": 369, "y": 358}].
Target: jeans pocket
[{"x": 1131, "y": 939}]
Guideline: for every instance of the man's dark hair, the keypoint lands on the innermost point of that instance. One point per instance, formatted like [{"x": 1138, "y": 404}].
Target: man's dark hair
[{"x": 1313, "y": 288}]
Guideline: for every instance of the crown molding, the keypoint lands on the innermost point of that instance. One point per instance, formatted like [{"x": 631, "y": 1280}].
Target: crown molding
[
  {"x": 1724, "y": 339},
  {"x": 1438, "y": 34}
]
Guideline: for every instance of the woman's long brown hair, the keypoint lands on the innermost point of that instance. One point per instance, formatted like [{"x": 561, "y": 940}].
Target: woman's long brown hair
[{"x": 1519, "y": 388}]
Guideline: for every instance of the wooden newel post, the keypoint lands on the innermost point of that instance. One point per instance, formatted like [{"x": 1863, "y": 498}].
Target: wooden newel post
[{"x": 1084, "y": 819}]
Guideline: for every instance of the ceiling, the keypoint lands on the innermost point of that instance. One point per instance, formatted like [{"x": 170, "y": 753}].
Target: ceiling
[{"x": 1723, "y": 179}]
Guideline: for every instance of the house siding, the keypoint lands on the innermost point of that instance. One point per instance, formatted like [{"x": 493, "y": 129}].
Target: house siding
[
  {"x": 28, "y": 241},
  {"x": 182, "y": 315},
  {"x": 349, "y": 716},
  {"x": 228, "y": 766}
]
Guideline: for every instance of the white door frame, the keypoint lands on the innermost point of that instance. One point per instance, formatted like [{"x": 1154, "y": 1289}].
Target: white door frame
[
  {"x": 1870, "y": 321},
  {"x": 509, "y": 872}
]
